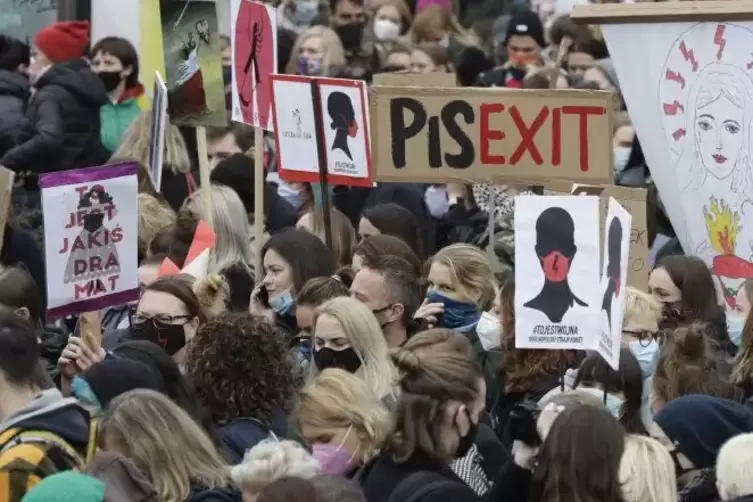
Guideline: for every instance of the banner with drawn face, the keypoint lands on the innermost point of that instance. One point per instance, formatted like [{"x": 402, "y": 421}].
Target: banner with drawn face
[
  {"x": 91, "y": 238},
  {"x": 691, "y": 102}
]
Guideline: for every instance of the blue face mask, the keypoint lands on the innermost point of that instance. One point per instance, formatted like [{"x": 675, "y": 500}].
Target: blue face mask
[
  {"x": 621, "y": 156},
  {"x": 81, "y": 390},
  {"x": 735, "y": 325},
  {"x": 305, "y": 12},
  {"x": 460, "y": 316},
  {"x": 290, "y": 194},
  {"x": 647, "y": 356},
  {"x": 283, "y": 304},
  {"x": 613, "y": 404}
]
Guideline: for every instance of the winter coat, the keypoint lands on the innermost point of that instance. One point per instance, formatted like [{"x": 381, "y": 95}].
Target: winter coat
[
  {"x": 240, "y": 435},
  {"x": 14, "y": 95},
  {"x": 63, "y": 130},
  {"x": 116, "y": 118}
]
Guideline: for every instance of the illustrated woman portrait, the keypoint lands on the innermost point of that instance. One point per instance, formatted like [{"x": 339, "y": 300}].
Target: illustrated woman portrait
[
  {"x": 614, "y": 267},
  {"x": 555, "y": 247},
  {"x": 343, "y": 118}
]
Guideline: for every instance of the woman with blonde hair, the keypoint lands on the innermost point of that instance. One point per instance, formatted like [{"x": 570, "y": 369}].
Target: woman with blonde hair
[
  {"x": 178, "y": 178},
  {"x": 231, "y": 256},
  {"x": 348, "y": 336},
  {"x": 167, "y": 445},
  {"x": 318, "y": 51},
  {"x": 343, "y": 233},
  {"x": 343, "y": 420},
  {"x": 647, "y": 471},
  {"x": 640, "y": 325},
  {"x": 438, "y": 24},
  {"x": 154, "y": 215}
]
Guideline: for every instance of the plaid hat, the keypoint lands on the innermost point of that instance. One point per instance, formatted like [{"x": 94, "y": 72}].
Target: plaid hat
[
  {"x": 63, "y": 41},
  {"x": 526, "y": 23},
  {"x": 68, "y": 486}
]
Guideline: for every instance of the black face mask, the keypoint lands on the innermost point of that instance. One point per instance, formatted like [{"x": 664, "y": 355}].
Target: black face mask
[
  {"x": 350, "y": 35},
  {"x": 465, "y": 443},
  {"x": 171, "y": 337},
  {"x": 345, "y": 359},
  {"x": 111, "y": 79}
]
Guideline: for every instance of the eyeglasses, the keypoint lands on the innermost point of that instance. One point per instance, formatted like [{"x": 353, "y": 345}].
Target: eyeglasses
[
  {"x": 139, "y": 321},
  {"x": 645, "y": 337}
]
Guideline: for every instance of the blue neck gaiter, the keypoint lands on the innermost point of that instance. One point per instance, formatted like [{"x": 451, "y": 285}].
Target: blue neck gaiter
[{"x": 459, "y": 316}]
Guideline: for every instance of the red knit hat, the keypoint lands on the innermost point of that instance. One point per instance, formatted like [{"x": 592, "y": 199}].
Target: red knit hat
[{"x": 63, "y": 41}]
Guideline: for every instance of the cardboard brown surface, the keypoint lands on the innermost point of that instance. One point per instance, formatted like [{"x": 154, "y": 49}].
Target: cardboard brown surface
[
  {"x": 435, "y": 135},
  {"x": 433, "y": 79}
]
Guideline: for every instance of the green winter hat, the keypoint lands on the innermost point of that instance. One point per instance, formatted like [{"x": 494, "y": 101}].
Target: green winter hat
[{"x": 68, "y": 486}]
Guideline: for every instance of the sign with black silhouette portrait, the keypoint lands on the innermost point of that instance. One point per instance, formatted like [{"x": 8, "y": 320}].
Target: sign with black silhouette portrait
[
  {"x": 91, "y": 237},
  {"x": 344, "y": 127},
  {"x": 442, "y": 134},
  {"x": 556, "y": 271},
  {"x": 157, "y": 127},
  {"x": 254, "y": 51},
  {"x": 613, "y": 277}
]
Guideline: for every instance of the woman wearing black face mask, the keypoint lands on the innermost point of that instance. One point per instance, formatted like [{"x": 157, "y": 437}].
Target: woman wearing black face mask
[{"x": 116, "y": 62}]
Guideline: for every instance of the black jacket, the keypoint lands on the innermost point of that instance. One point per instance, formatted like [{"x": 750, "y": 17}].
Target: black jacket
[
  {"x": 64, "y": 125},
  {"x": 21, "y": 250},
  {"x": 14, "y": 95}
]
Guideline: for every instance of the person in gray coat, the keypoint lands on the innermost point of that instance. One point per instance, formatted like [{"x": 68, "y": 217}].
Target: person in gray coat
[{"x": 14, "y": 90}]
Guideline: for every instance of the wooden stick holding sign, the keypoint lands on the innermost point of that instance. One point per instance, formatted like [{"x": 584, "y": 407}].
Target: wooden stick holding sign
[
  {"x": 206, "y": 188},
  {"x": 564, "y": 48},
  {"x": 322, "y": 158},
  {"x": 259, "y": 183}
]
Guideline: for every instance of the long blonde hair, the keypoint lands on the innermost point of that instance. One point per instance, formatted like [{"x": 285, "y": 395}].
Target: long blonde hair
[
  {"x": 332, "y": 48},
  {"x": 366, "y": 338},
  {"x": 230, "y": 225},
  {"x": 164, "y": 442},
  {"x": 435, "y": 17},
  {"x": 154, "y": 215},
  {"x": 647, "y": 472},
  {"x": 335, "y": 399},
  {"x": 135, "y": 145},
  {"x": 470, "y": 271}
]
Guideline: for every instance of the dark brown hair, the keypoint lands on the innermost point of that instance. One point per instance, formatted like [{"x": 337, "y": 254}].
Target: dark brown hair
[
  {"x": 19, "y": 290},
  {"x": 692, "y": 277},
  {"x": 243, "y": 135},
  {"x": 124, "y": 50},
  {"x": 433, "y": 370},
  {"x": 377, "y": 246},
  {"x": 401, "y": 285},
  {"x": 394, "y": 219},
  {"x": 320, "y": 289},
  {"x": 306, "y": 254},
  {"x": 174, "y": 240},
  {"x": 181, "y": 287},
  {"x": 742, "y": 372}
]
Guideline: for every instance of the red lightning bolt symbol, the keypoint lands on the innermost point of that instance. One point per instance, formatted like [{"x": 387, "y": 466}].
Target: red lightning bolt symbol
[
  {"x": 678, "y": 134},
  {"x": 688, "y": 55},
  {"x": 673, "y": 108},
  {"x": 675, "y": 77},
  {"x": 720, "y": 40}
]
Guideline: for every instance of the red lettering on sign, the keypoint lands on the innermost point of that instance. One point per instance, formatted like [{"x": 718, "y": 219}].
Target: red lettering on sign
[
  {"x": 583, "y": 113},
  {"x": 488, "y": 134},
  {"x": 527, "y": 135}
]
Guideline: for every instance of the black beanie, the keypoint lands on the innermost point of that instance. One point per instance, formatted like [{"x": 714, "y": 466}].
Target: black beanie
[
  {"x": 113, "y": 376},
  {"x": 237, "y": 172},
  {"x": 526, "y": 23}
]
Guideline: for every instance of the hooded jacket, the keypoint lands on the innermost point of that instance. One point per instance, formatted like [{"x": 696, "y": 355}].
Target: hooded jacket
[
  {"x": 64, "y": 125},
  {"x": 23, "y": 465},
  {"x": 116, "y": 117},
  {"x": 14, "y": 94}
]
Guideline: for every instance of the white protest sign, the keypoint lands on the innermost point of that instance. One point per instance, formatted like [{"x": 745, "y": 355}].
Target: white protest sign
[
  {"x": 157, "y": 127},
  {"x": 556, "y": 271},
  {"x": 613, "y": 282},
  {"x": 91, "y": 238}
]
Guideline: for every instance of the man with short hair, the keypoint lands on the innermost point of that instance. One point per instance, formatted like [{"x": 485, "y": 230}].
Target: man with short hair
[
  {"x": 389, "y": 287},
  {"x": 42, "y": 432},
  {"x": 348, "y": 19},
  {"x": 222, "y": 142}
]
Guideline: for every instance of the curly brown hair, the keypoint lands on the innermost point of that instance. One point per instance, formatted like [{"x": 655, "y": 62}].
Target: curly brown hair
[{"x": 239, "y": 367}]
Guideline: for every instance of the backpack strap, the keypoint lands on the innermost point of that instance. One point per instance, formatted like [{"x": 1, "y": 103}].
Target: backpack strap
[
  {"x": 418, "y": 485},
  {"x": 191, "y": 182},
  {"x": 15, "y": 437}
]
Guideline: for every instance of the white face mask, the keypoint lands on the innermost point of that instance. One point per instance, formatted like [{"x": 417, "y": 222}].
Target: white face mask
[
  {"x": 437, "y": 200},
  {"x": 621, "y": 156},
  {"x": 386, "y": 30},
  {"x": 489, "y": 331}
]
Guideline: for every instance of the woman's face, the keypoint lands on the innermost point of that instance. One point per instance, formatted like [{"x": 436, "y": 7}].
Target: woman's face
[
  {"x": 623, "y": 137},
  {"x": 442, "y": 281},
  {"x": 38, "y": 62},
  {"x": 278, "y": 276},
  {"x": 400, "y": 61},
  {"x": 719, "y": 135},
  {"x": 662, "y": 288},
  {"x": 329, "y": 333},
  {"x": 304, "y": 319},
  {"x": 578, "y": 63},
  {"x": 742, "y": 304},
  {"x": 420, "y": 62},
  {"x": 459, "y": 417},
  {"x": 104, "y": 61},
  {"x": 389, "y": 13},
  {"x": 344, "y": 437},
  {"x": 312, "y": 49},
  {"x": 164, "y": 309},
  {"x": 366, "y": 229}
]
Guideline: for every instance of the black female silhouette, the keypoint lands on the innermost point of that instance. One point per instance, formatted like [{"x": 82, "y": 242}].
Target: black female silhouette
[
  {"x": 340, "y": 110},
  {"x": 614, "y": 268},
  {"x": 555, "y": 247}
]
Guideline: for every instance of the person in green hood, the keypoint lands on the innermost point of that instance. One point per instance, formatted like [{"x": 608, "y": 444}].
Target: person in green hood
[{"x": 116, "y": 62}]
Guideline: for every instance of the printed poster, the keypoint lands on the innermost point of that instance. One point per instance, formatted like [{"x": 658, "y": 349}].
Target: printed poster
[
  {"x": 556, "y": 271},
  {"x": 692, "y": 108},
  {"x": 254, "y": 49},
  {"x": 157, "y": 127},
  {"x": 91, "y": 238},
  {"x": 193, "y": 63},
  {"x": 614, "y": 275}
]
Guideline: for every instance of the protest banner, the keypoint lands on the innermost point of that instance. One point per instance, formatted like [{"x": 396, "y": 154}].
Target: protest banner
[
  {"x": 157, "y": 127},
  {"x": 436, "y": 134},
  {"x": 91, "y": 237},
  {"x": 433, "y": 79},
  {"x": 692, "y": 107},
  {"x": 613, "y": 273},
  {"x": 254, "y": 51},
  {"x": 557, "y": 307}
]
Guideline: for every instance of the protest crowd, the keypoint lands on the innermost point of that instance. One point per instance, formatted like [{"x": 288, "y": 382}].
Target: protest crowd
[{"x": 365, "y": 346}]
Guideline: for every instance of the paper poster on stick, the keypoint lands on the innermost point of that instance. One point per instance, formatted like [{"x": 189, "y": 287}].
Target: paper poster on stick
[
  {"x": 157, "y": 127},
  {"x": 254, "y": 50},
  {"x": 91, "y": 238},
  {"x": 556, "y": 271},
  {"x": 613, "y": 277},
  {"x": 430, "y": 134}
]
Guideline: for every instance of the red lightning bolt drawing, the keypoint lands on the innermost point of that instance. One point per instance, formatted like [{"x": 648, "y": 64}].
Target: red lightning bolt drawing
[
  {"x": 720, "y": 40},
  {"x": 675, "y": 77},
  {"x": 678, "y": 134},
  {"x": 673, "y": 108},
  {"x": 688, "y": 55}
]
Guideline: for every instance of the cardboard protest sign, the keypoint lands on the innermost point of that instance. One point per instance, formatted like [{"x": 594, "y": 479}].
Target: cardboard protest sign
[
  {"x": 433, "y": 79},
  {"x": 434, "y": 135},
  {"x": 254, "y": 48},
  {"x": 692, "y": 108},
  {"x": 613, "y": 274},
  {"x": 91, "y": 238},
  {"x": 157, "y": 127},
  {"x": 340, "y": 106},
  {"x": 556, "y": 271}
]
